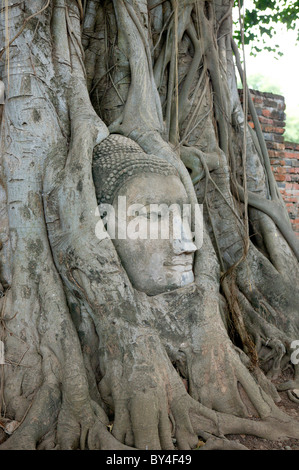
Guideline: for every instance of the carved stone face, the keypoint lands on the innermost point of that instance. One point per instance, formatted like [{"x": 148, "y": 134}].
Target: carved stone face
[{"x": 156, "y": 265}]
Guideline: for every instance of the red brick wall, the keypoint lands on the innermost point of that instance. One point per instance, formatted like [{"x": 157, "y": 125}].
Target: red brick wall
[{"x": 284, "y": 156}]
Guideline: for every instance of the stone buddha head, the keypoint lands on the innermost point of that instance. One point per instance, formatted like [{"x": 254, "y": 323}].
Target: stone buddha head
[{"x": 151, "y": 217}]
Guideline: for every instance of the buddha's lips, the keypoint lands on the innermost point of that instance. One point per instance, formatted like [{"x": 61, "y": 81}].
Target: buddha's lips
[{"x": 184, "y": 262}]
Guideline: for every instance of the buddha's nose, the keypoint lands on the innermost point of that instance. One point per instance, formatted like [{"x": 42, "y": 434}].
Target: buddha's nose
[{"x": 182, "y": 240}]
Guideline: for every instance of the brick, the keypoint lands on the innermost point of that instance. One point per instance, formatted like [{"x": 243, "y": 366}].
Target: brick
[
  {"x": 281, "y": 106},
  {"x": 279, "y": 169},
  {"x": 289, "y": 145},
  {"x": 275, "y": 114},
  {"x": 268, "y": 136},
  {"x": 295, "y": 179},
  {"x": 275, "y": 145},
  {"x": 290, "y": 155},
  {"x": 278, "y": 123},
  {"x": 272, "y": 129},
  {"x": 290, "y": 199},
  {"x": 278, "y": 154},
  {"x": 266, "y": 113},
  {"x": 270, "y": 103},
  {"x": 276, "y": 162},
  {"x": 280, "y": 177},
  {"x": 257, "y": 99},
  {"x": 264, "y": 120}
]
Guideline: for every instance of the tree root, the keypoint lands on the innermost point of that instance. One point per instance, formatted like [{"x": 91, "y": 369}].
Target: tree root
[
  {"x": 292, "y": 396},
  {"x": 290, "y": 384},
  {"x": 39, "y": 420},
  {"x": 214, "y": 443}
]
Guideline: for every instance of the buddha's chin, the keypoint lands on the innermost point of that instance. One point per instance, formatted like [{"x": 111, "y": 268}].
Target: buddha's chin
[
  {"x": 178, "y": 279},
  {"x": 180, "y": 276},
  {"x": 172, "y": 280},
  {"x": 187, "y": 278}
]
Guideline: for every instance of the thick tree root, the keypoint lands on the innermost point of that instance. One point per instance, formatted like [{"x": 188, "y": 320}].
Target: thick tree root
[
  {"x": 39, "y": 421},
  {"x": 214, "y": 443}
]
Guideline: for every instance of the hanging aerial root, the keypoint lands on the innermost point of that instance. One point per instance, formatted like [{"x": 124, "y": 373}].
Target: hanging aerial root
[{"x": 230, "y": 291}]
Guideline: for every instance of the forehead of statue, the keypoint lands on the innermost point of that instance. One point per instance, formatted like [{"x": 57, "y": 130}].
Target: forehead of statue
[{"x": 151, "y": 188}]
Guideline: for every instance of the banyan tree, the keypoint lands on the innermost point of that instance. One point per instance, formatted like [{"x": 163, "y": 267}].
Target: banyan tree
[{"x": 140, "y": 343}]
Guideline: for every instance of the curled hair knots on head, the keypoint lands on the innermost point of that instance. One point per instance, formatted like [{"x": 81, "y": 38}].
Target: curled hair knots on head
[{"x": 117, "y": 159}]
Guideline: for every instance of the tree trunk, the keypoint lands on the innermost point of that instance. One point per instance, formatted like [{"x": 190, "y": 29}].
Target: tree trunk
[{"x": 90, "y": 362}]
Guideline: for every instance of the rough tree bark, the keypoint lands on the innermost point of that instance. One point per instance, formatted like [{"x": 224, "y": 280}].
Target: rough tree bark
[{"x": 83, "y": 348}]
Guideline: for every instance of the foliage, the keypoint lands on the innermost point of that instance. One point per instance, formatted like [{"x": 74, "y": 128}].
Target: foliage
[
  {"x": 260, "y": 22},
  {"x": 292, "y": 127},
  {"x": 260, "y": 82}
]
